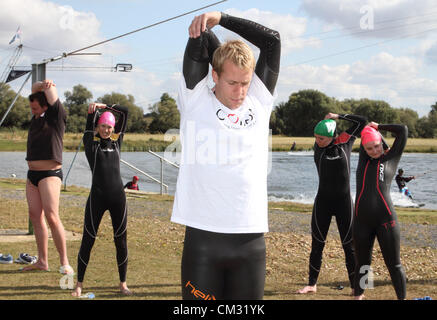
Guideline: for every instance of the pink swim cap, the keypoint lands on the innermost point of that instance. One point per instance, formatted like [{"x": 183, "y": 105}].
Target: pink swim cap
[
  {"x": 369, "y": 134},
  {"x": 107, "y": 118}
]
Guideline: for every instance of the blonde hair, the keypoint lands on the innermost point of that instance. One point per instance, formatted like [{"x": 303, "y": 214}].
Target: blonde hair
[{"x": 237, "y": 52}]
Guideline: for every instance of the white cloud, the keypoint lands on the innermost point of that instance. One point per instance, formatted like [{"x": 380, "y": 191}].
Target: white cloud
[
  {"x": 396, "y": 80},
  {"x": 48, "y": 26},
  {"x": 291, "y": 29},
  {"x": 391, "y": 18},
  {"x": 49, "y": 29},
  {"x": 431, "y": 53}
]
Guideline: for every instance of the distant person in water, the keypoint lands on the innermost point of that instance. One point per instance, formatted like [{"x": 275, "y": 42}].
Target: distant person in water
[
  {"x": 133, "y": 185},
  {"x": 402, "y": 183}
]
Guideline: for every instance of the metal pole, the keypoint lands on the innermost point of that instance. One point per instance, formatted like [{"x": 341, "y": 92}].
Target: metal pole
[
  {"x": 38, "y": 74},
  {"x": 162, "y": 175},
  {"x": 15, "y": 99},
  {"x": 71, "y": 165},
  {"x": 146, "y": 174}
]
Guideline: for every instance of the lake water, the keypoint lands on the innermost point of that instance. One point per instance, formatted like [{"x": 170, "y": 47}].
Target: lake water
[{"x": 292, "y": 177}]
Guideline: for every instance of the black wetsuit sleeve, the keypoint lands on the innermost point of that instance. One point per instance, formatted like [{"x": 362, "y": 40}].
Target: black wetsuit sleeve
[
  {"x": 401, "y": 133},
  {"x": 197, "y": 57},
  {"x": 121, "y": 125},
  {"x": 359, "y": 123},
  {"x": 267, "y": 40},
  {"x": 88, "y": 135},
  {"x": 88, "y": 138}
]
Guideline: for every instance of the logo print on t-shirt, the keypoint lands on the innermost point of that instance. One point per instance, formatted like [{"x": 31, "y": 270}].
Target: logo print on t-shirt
[{"x": 236, "y": 121}]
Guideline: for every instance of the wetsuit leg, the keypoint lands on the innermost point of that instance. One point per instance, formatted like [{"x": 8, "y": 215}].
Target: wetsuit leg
[
  {"x": 245, "y": 275},
  {"x": 118, "y": 213},
  {"x": 202, "y": 273},
  {"x": 222, "y": 266},
  {"x": 344, "y": 215},
  {"x": 320, "y": 222},
  {"x": 363, "y": 238},
  {"x": 389, "y": 241},
  {"x": 94, "y": 211}
]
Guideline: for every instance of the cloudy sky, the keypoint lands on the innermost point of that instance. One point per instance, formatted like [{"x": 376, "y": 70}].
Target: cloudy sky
[{"x": 377, "y": 49}]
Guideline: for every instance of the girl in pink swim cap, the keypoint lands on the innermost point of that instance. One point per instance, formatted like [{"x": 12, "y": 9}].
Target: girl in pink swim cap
[
  {"x": 375, "y": 216},
  {"x": 107, "y": 193}
]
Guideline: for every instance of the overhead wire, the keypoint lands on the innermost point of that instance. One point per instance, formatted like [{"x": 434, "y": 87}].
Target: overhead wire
[
  {"x": 64, "y": 55},
  {"x": 378, "y": 22},
  {"x": 363, "y": 47}
]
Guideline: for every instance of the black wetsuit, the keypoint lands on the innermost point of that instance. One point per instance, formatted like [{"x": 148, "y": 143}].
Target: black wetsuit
[
  {"x": 375, "y": 215},
  {"x": 334, "y": 197},
  {"x": 222, "y": 265},
  {"x": 107, "y": 193}
]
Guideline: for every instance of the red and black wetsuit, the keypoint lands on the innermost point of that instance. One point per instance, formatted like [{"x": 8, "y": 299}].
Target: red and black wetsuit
[
  {"x": 334, "y": 197},
  {"x": 374, "y": 212},
  {"x": 107, "y": 192},
  {"x": 132, "y": 186}
]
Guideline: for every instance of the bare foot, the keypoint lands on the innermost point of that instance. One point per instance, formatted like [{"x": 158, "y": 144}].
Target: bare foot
[
  {"x": 78, "y": 290},
  {"x": 124, "y": 289},
  {"x": 36, "y": 266},
  {"x": 360, "y": 297},
  {"x": 308, "y": 289}
]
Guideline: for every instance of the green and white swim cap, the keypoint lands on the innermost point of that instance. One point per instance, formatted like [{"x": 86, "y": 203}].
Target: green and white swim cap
[{"x": 325, "y": 128}]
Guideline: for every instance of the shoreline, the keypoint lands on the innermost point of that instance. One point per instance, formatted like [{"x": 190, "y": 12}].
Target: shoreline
[{"x": 135, "y": 142}]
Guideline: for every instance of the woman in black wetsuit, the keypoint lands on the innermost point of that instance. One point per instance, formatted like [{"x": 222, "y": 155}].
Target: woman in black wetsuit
[
  {"x": 374, "y": 211},
  {"x": 332, "y": 159},
  {"x": 103, "y": 154}
]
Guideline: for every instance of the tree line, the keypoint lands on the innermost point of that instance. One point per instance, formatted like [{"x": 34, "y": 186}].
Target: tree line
[
  {"x": 295, "y": 117},
  {"x": 304, "y": 109}
]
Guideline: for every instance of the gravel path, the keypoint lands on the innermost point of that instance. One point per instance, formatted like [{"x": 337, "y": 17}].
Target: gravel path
[{"x": 413, "y": 235}]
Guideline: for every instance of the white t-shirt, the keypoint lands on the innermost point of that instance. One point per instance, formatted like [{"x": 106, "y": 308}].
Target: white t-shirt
[{"x": 222, "y": 181}]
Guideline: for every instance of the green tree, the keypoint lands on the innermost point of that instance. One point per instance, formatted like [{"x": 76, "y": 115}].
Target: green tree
[
  {"x": 302, "y": 111},
  {"x": 375, "y": 110},
  {"x": 135, "y": 121},
  {"x": 19, "y": 116},
  {"x": 409, "y": 117},
  {"x": 165, "y": 115},
  {"x": 76, "y": 104},
  {"x": 276, "y": 123},
  {"x": 427, "y": 126}
]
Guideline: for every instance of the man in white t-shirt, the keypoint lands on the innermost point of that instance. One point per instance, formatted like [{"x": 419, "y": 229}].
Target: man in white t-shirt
[{"x": 221, "y": 193}]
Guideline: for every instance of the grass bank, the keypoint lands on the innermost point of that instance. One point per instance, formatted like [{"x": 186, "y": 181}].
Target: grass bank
[
  {"x": 155, "y": 248},
  {"x": 16, "y": 141}
]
